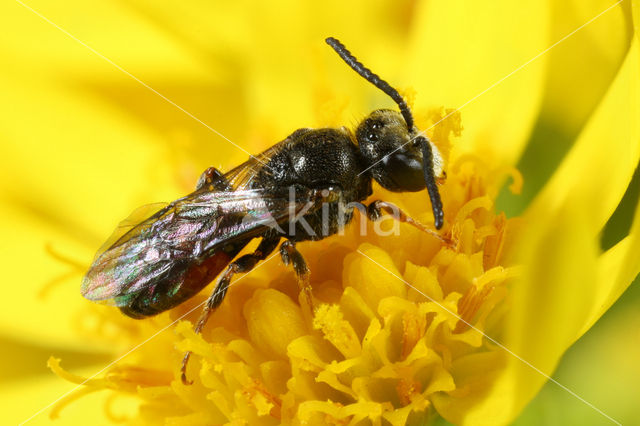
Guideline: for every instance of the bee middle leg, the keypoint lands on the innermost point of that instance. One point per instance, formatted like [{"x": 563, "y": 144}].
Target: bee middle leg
[
  {"x": 291, "y": 255},
  {"x": 243, "y": 264},
  {"x": 374, "y": 213}
]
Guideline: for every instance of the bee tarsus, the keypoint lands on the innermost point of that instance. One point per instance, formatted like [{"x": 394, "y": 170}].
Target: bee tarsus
[{"x": 290, "y": 255}]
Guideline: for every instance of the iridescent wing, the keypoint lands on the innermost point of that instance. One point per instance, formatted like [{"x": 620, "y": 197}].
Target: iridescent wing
[
  {"x": 136, "y": 217},
  {"x": 158, "y": 254}
]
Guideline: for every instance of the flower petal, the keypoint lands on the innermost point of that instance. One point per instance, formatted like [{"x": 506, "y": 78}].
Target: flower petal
[
  {"x": 550, "y": 304},
  {"x": 47, "y": 317},
  {"x": 616, "y": 270},
  {"x": 273, "y": 321},
  {"x": 367, "y": 280},
  {"x": 610, "y": 141},
  {"x": 460, "y": 49},
  {"x": 583, "y": 65}
]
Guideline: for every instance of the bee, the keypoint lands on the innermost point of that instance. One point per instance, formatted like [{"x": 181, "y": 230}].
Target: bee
[{"x": 311, "y": 181}]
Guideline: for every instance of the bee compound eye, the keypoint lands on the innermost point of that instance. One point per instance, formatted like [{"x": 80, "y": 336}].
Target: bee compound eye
[{"x": 405, "y": 170}]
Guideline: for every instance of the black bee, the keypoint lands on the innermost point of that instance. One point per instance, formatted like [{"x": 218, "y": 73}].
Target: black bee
[{"x": 303, "y": 188}]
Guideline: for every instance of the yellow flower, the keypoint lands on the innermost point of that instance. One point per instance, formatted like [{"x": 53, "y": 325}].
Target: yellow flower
[{"x": 398, "y": 334}]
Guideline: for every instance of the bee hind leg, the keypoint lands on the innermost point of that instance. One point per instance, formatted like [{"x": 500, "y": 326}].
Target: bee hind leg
[{"x": 241, "y": 265}]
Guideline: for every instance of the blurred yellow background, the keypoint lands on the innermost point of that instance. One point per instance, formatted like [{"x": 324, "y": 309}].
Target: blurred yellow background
[{"x": 83, "y": 142}]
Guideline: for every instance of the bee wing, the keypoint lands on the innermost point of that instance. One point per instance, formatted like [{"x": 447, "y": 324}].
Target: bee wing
[
  {"x": 242, "y": 176},
  {"x": 163, "y": 247},
  {"x": 136, "y": 217}
]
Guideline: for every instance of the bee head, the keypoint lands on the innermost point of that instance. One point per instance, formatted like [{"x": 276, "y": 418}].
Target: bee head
[
  {"x": 398, "y": 157},
  {"x": 395, "y": 155}
]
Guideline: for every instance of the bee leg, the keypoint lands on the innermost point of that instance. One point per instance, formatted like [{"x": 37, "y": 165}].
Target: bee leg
[
  {"x": 291, "y": 255},
  {"x": 374, "y": 213},
  {"x": 212, "y": 179},
  {"x": 243, "y": 264}
]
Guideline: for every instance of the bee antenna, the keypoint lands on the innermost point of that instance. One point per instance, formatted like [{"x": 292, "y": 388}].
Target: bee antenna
[
  {"x": 372, "y": 78},
  {"x": 430, "y": 181}
]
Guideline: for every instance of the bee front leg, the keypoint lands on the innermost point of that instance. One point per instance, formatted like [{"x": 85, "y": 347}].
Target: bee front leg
[
  {"x": 243, "y": 264},
  {"x": 374, "y": 213},
  {"x": 291, "y": 255}
]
